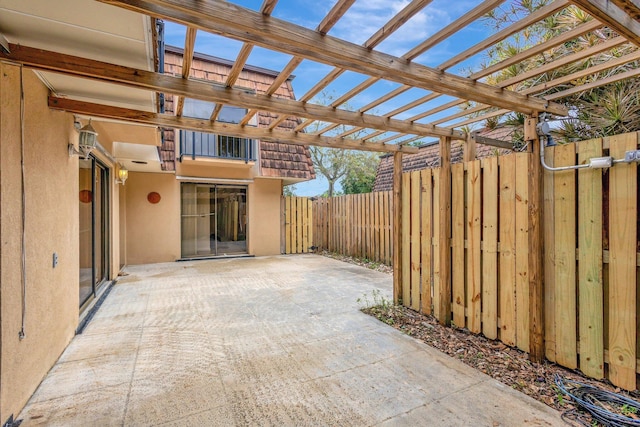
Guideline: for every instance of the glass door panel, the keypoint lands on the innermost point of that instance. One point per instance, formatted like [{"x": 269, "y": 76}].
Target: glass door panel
[
  {"x": 93, "y": 227},
  {"x": 231, "y": 211},
  {"x": 214, "y": 220},
  {"x": 86, "y": 229}
]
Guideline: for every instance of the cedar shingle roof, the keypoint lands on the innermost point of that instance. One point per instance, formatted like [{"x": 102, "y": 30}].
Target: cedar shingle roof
[
  {"x": 427, "y": 157},
  {"x": 278, "y": 160}
]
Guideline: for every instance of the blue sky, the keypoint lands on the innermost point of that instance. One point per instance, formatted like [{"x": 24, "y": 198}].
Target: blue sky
[{"x": 362, "y": 20}]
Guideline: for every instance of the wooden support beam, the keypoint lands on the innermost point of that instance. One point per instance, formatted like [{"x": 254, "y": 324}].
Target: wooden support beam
[
  {"x": 469, "y": 153},
  {"x": 209, "y": 91},
  {"x": 187, "y": 59},
  {"x": 538, "y": 49},
  {"x": 519, "y": 25},
  {"x": 444, "y": 230},
  {"x": 467, "y": 18},
  {"x": 490, "y": 141},
  {"x": 268, "y": 6},
  {"x": 612, "y": 15},
  {"x": 567, "y": 59},
  {"x": 396, "y": 22},
  {"x": 596, "y": 83},
  {"x": 397, "y": 228},
  {"x": 230, "y": 20},
  {"x": 171, "y": 121},
  {"x": 334, "y": 15},
  {"x": 536, "y": 245}
]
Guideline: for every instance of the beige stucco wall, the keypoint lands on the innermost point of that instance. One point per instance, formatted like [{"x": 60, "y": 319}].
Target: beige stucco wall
[
  {"x": 152, "y": 231},
  {"x": 51, "y": 182},
  {"x": 264, "y": 216}
]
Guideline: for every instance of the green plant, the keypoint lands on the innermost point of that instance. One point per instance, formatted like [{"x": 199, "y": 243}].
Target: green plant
[{"x": 628, "y": 410}]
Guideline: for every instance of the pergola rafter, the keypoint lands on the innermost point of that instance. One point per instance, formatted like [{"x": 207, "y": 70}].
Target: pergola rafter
[
  {"x": 467, "y": 96},
  {"x": 245, "y": 25},
  {"x": 171, "y": 121},
  {"x": 105, "y": 72}
]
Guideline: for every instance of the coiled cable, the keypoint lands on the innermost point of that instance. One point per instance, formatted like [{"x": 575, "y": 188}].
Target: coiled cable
[{"x": 607, "y": 408}]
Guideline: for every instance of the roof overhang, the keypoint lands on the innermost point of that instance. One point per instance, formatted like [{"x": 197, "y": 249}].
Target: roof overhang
[{"x": 86, "y": 29}]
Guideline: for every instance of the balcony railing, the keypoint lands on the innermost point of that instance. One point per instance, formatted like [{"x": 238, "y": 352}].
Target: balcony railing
[{"x": 200, "y": 144}]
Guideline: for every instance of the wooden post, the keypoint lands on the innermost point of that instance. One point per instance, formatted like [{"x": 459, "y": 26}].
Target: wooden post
[
  {"x": 535, "y": 237},
  {"x": 397, "y": 227},
  {"x": 469, "y": 153},
  {"x": 444, "y": 237}
]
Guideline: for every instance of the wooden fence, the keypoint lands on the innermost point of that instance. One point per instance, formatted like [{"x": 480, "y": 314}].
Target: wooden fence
[
  {"x": 298, "y": 225},
  {"x": 356, "y": 225},
  {"x": 591, "y": 244}
]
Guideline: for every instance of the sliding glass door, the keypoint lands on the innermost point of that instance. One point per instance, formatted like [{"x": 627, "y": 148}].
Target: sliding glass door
[
  {"x": 93, "y": 227},
  {"x": 214, "y": 220}
]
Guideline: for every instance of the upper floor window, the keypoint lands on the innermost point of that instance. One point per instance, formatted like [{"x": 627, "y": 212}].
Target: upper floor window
[{"x": 202, "y": 144}]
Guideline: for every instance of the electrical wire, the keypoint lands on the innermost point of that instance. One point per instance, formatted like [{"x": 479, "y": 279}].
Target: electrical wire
[
  {"x": 22, "y": 333},
  {"x": 599, "y": 403}
]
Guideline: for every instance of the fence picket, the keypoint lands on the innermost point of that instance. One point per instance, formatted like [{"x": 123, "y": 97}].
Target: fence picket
[
  {"x": 590, "y": 284},
  {"x": 457, "y": 244},
  {"x": 490, "y": 247},
  {"x": 287, "y": 226},
  {"x": 406, "y": 234},
  {"x": 415, "y": 241},
  {"x": 522, "y": 250},
  {"x": 507, "y": 265},
  {"x": 435, "y": 300},
  {"x": 426, "y": 236},
  {"x": 565, "y": 257},
  {"x": 473, "y": 225},
  {"x": 549, "y": 259},
  {"x": 623, "y": 217}
]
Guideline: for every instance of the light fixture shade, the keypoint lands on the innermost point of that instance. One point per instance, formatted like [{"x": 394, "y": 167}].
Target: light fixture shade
[
  {"x": 123, "y": 174},
  {"x": 87, "y": 139}
]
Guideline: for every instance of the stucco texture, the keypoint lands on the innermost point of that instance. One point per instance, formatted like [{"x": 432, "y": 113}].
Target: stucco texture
[
  {"x": 51, "y": 212},
  {"x": 152, "y": 230}
]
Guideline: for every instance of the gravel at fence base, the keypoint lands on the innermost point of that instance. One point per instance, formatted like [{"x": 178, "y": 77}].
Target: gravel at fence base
[{"x": 363, "y": 262}]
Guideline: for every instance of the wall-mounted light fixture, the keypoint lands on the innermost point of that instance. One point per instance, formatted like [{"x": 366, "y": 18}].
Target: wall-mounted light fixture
[
  {"x": 87, "y": 139},
  {"x": 122, "y": 174}
]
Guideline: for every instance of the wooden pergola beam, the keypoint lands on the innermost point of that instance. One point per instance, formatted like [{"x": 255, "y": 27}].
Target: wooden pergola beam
[
  {"x": 334, "y": 15},
  {"x": 567, "y": 59},
  {"x": 535, "y": 264},
  {"x": 634, "y": 56},
  {"x": 536, "y": 16},
  {"x": 467, "y": 18},
  {"x": 444, "y": 234},
  {"x": 229, "y": 20},
  {"x": 491, "y": 141},
  {"x": 187, "y": 59},
  {"x": 171, "y": 121},
  {"x": 207, "y": 91},
  {"x": 612, "y": 15},
  {"x": 538, "y": 49},
  {"x": 389, "y": 28}
]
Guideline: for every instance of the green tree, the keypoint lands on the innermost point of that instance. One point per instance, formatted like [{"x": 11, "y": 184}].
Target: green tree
[
  {"x": 332, "y": 163},
  {"x": 339, "y": 164},
  {"x": 289, "y": 190},
  {"x": 361, "y": 173}
]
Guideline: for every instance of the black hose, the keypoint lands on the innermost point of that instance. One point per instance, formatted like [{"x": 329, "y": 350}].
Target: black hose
[{"x": 599, "y": 404}]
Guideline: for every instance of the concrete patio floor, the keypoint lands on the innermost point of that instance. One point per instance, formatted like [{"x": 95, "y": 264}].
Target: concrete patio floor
[{"x": 262, "y": 341}]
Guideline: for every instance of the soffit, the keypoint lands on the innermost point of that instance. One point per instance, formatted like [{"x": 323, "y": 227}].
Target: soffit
[{"x": 86, "y": 29}]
